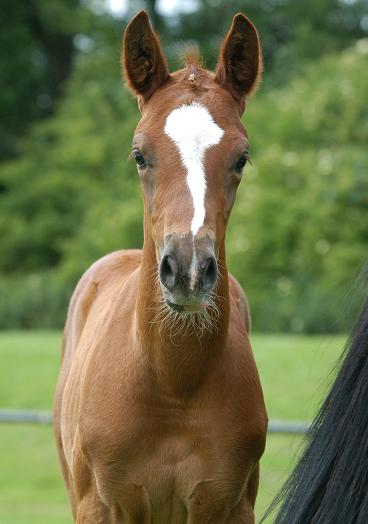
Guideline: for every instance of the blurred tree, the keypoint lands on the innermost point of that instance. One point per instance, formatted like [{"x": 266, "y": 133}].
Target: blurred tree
[
  {"x": 290, "y": 31},
  {"x": 299, "y": 229},
  {"x": 36, "y": 51},
  {"x": 48, "y": 194},
  {"x": 300, "y": 234}
]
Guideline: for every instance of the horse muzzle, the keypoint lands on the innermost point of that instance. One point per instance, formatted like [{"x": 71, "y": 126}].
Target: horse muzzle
[{"x": 188, "y": 272}]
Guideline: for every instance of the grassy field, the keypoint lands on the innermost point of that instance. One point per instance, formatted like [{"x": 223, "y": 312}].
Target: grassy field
[{"x": 295, "y": 372}]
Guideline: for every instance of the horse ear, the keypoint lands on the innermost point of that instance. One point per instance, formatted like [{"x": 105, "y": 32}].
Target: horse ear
[
  {"x": 239, "y": 66},
  {"x": 142, "y": 58}
]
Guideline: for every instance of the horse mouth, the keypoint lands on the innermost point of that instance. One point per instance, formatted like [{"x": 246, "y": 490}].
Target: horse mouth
[{"x": 186, "y": 308}]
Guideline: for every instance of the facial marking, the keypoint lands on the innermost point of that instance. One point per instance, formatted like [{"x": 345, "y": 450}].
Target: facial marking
[
  {"x": 193, "y": 130},
  {"x": 192, "y": 271}
]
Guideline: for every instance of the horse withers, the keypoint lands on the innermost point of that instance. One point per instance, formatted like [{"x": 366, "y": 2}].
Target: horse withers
[{"x": 159, "y": 412}]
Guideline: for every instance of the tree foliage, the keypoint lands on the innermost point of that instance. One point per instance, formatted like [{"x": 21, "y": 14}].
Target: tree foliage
[
  {"x": 36, "y": 52},
  {"x": 298, "y": 234}
]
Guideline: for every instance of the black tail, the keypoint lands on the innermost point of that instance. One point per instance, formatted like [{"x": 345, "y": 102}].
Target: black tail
[{"x": 330, "y": 483}]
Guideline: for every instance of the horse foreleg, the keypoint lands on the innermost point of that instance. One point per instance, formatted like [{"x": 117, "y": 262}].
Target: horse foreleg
[
  {"x": 244, "y": 512},
  {"x": 90, "y": 510}
]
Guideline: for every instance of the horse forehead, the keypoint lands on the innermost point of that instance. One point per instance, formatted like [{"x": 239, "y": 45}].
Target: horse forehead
[{"x": 192, "y": 128}]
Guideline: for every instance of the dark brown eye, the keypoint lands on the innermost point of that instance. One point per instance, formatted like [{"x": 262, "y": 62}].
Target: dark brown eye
[
  {"x": 239, "y": 166},
  {"x": 139, "y": 158}
]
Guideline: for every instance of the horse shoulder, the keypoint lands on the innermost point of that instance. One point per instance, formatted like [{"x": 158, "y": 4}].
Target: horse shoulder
[
  {"x": 239, "y": 301},
  {"x": 90, "y": 301},
  {"x": 99, "y": 280},
  {"x": 250, "y": 410}
]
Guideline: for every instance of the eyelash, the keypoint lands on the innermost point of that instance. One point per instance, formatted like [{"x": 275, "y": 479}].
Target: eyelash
[
  {"x": 137, "y": 155},
  {"x": 239, "y": 166}
]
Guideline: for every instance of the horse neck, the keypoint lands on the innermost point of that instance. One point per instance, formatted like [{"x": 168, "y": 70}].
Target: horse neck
[{"x": 180, "y": 359}]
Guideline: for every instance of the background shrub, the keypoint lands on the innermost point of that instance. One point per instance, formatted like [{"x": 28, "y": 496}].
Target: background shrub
[{"x": 299, "y": 230}]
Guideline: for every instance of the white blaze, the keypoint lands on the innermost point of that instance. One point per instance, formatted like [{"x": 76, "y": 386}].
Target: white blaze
[{"x": 193, "y": 130}]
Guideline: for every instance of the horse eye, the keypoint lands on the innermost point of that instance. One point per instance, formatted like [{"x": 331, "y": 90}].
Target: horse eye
[
  {"x": 239, "y": 166},
  {"x": 139, "y": 158}
]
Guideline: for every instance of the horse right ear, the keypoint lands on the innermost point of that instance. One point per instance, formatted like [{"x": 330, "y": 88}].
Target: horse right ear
[
  {"x": 142, "y": 57},
  {"x": 239, "y": 67}
]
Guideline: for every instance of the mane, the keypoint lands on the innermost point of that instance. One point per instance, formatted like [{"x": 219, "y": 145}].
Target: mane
[
  {"x": 191, "y": 57},
  {"x": 193, "y": 64},
  {"x": 329, "y": 484}
]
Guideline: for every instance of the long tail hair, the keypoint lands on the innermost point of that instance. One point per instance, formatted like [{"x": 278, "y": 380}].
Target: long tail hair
[{"x": 329, "y": 485}]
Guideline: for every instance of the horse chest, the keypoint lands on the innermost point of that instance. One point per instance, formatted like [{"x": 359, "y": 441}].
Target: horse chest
[{"x": 170, "y": 466}]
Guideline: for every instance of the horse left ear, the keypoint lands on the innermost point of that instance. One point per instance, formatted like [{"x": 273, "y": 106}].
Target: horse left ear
[
  {"x": 239, "y": 66},
  {"x": 142, "y": 57}
]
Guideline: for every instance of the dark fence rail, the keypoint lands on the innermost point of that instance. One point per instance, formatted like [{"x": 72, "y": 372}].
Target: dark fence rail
[{"x": 20, "y": 416}]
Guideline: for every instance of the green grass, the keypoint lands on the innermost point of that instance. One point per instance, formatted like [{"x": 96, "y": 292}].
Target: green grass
[{"x": 295, "y": 372}]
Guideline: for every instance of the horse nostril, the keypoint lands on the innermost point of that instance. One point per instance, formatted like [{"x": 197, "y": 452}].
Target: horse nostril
[
  {"x": 169, "y": 272},
  {"x": 209, "y": 274}
]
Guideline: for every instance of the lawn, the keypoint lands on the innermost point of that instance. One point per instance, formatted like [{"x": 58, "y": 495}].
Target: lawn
[{"x": 295, "y": 372}]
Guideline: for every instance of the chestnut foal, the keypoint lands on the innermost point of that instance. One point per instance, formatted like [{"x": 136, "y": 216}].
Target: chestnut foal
[{"x": 159, "y": 413}]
